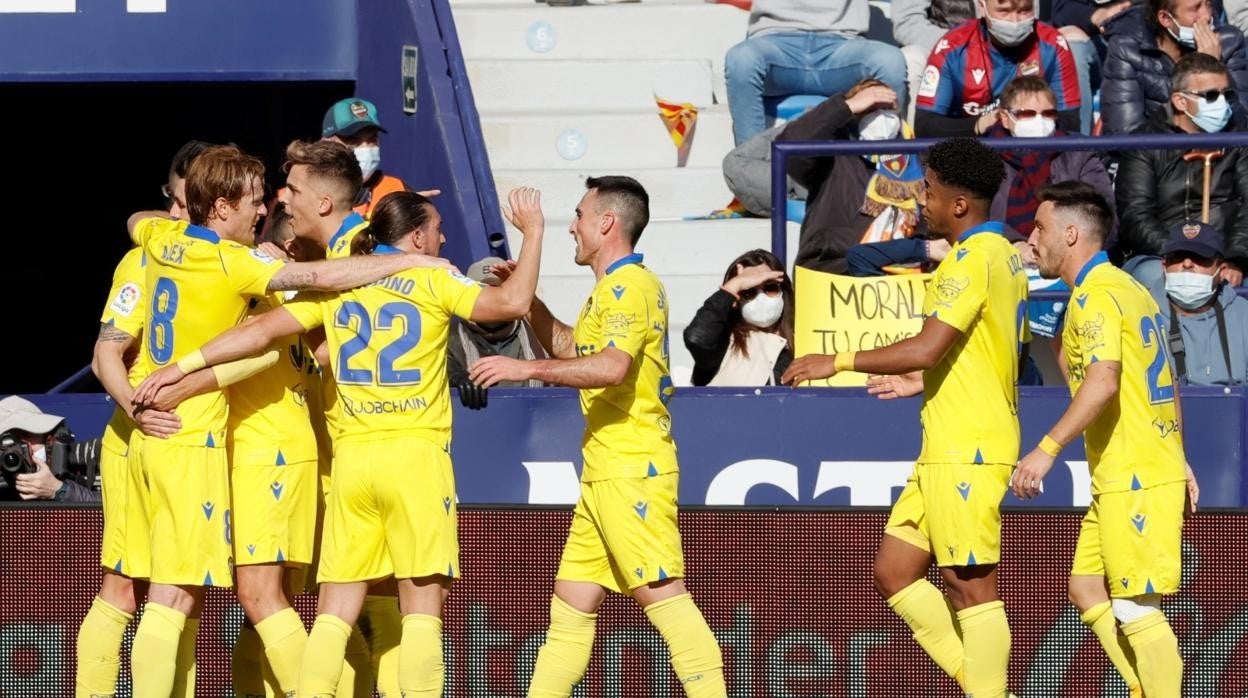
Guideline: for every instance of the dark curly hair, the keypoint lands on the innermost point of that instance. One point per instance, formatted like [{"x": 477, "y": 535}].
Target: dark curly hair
[{"x": 965, "y": 163}]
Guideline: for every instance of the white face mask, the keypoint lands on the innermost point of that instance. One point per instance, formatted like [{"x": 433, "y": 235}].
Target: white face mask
[
  {"x": 1188, "y": 289},
  {"x": 39, "y": 453},
  {"x": 369, "y": 157},
  {"x": 1035, "y": 127},
  {"x": 1011, "y": 33},
  {"x": 763, "y": 310},
  {"x": 881, "y": 125}
]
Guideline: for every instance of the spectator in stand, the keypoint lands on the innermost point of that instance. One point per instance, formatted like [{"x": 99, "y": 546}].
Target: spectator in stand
[
  {"x": 1158, "y": 189},
  {"x": 1145, "y": 44},
  {"x": 743, "y": 333},
  {"x": 853, "y": 198},
  {"x": 917, "y": 26},
  {"x": 353, "y": 123},
  {"x": 971, "y": 65},
  {"x": 470, "y": 340},
  {"x": 1211, "y": 345},
  {"x": 1083, "y": 23},
  {"x": 804, "y": 47}
]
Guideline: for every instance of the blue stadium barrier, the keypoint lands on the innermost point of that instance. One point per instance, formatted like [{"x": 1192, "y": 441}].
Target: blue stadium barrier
[
  {"x": 769, "y": 446},
  {"x": 782, "y": 151}
]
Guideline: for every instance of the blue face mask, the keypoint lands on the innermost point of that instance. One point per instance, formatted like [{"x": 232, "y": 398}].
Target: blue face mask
[
  {"x": 1186, "y": 35},
  {"x": 1213, "y": 116}
]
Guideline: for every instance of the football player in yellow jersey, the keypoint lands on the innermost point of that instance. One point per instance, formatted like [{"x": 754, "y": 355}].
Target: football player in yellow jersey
[
  {"x": 199, "y": 278},
  {"x": 392, "y": 506},
  {"x": 1125, "y": 403},
  {"x": 624, "y": 536},
  {"x": 969, "y": 351},
  {"x": 114, "y": 364}
]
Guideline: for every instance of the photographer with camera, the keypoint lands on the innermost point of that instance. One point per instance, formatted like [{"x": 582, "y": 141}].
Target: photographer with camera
[{"x": 40, "y": 460}]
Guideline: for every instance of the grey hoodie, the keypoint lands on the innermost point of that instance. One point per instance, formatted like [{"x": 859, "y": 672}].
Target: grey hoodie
[{"x": 1201, "y": 346}]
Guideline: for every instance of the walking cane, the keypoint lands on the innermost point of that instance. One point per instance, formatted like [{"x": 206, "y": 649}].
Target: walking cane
[{"x": 1208, "y": 156}]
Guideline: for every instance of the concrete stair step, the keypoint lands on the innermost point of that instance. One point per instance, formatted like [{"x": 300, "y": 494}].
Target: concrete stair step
[
  {"x": 598, "y": 141},
  {"x": 675, "y": 192},
  {"x": 526, "y": 85}
]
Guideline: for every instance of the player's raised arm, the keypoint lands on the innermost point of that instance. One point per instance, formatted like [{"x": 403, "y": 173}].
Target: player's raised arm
[
  {"x": 132, "y": 224},
  {"x": 512, "y": 298},
  {"x": 349, "y": 272}
]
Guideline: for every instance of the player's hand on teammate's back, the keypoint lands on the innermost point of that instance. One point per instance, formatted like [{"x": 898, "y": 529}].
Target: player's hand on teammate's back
[
  {"x": 473, "y": 396},
  {"x": 424, "y": 260},
  {"x": 155, "y": 423},
  {"x": 1028, "y": 478},
  {"x": 524, "y": 210},
  {"x": 809, "y": 367},
  {"x": 489, "y": 370},
  {"x": 893, "y": 387}
]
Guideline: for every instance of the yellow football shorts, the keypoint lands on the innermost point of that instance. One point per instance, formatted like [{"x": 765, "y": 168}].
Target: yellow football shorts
[
  {"x": 391, "y": 511},
  {"x": 274, "y": 512},
  {"x": 953, "y": 511},
  {"x": 135, "y": 526},
  {"x": 624, "y": 534},
  {"x": 114, "y": 483},
  {"x": 187, "y": 499},
  {"x": 1134, "y": 540}
]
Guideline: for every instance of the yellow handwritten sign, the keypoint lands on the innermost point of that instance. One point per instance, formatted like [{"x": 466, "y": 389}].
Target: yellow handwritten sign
[{"x": 847, "y": 313}]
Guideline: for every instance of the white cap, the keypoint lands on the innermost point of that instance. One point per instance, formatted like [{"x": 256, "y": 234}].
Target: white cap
[{"x": 19, "y": 413}]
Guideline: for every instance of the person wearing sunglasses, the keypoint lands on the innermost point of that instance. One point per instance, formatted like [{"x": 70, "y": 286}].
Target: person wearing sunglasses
[
  {"x": 1145, "y": 45},
  {"x": 1158, "y": 189},
  {"x": 743, "y": 333}
]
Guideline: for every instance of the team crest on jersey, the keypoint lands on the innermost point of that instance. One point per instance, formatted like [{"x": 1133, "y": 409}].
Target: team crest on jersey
[
  {"x": 1091, "y": 332},
  {"x": 1031, "y": 67},
  {"x": 931, "y": 80},
  {"x": 618, "y": 323},
  {"x": 1190, "y": 231},
  {"x": 948, "y": 290},
  {"x": 127, "y": 299},
  {"x": 263, "y": 257}
]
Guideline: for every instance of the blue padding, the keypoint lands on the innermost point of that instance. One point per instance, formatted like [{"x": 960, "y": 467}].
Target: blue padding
[
  {"x": 790, "y": 107},
  {"x": 795, "y": 210}
]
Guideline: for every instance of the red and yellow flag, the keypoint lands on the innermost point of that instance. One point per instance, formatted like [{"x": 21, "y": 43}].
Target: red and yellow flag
[{"x": 679, "y": 119}]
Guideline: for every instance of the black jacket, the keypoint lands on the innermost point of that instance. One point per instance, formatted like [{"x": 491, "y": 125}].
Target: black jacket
[
  {"x": 708, "y": 334},
  {"x": 1136, "y": 73},
  {"x": 837, "y": 187},
  {"x": 1157, "y": 189}
]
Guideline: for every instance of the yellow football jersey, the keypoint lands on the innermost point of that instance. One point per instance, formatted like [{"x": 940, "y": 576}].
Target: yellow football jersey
[
  {"x": 340, "y": 244},
  {"x": 125, "y": 312},
  {"x": 970, "y": 398},
  {"x": 628, "y": 430},
  {"x": 1135, "y": 442},
  {"x": 269, "y": 421},
  {"x": 198, "y": 285},
  {"x": 387, "y": 344}
]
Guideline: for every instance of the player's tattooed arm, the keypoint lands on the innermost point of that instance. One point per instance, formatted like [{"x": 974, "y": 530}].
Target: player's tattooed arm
[
  {"x": 349, "y": 272},
  {"x": 110, "y": 334}
]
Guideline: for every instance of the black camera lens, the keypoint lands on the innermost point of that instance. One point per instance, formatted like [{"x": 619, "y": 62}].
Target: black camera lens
[{"x": 11, "y": 461}]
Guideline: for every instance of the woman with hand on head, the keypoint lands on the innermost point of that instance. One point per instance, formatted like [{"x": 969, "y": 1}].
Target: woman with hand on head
[{"x": 743, "y": 333}]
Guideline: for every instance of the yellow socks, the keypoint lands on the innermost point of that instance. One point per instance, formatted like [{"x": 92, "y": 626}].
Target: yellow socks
[
  {"x": 323, "y": 657},
  {"x": 154, "y": 658},
  {"x": 563, "y": 658},
  {"x": 357, "y": 670},
  {"x": 931, "y": 619},
  {"x": 284, "y": 639},
  {"x": 385, "y": 630},
  {"x": 695, "y": 652},
  {"x": 184, "y": 675},
  {"x": 421, "y": 669},
  {"x": 99, "y": 649},
  {"x": 986, "y": 642},
  {"x": 1157, "y": 658},
  {"x": 246, "y": 665},
  {"x": 1100, "y": 620}
]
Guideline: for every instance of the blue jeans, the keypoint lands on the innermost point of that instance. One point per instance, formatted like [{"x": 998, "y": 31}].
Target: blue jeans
[
  {"x": 1088, "y": 68},
  {"x": 803, "y": 63}
]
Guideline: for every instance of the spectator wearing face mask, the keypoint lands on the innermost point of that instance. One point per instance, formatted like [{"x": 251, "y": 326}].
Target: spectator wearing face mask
[
  {"x": 470, "y": 341},
  {"x": 353, "y": 123},
  {"x": 1205, "y": 317},
  {"x": 1145, "y": 45},
  {"x": 854, "y": 199},
  {"x": 743, "y": 334},
  {"x": 1158, "y": 189},
  {"x": 971, "y": 65}
]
